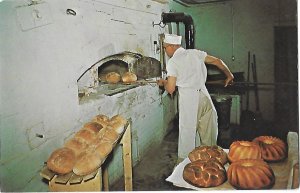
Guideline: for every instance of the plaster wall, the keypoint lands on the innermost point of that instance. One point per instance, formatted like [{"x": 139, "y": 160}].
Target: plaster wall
[{"x": 43, "y": 51}]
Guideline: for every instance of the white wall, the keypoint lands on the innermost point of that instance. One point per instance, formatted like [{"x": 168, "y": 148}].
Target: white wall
[{"x": 43, "y": 51}]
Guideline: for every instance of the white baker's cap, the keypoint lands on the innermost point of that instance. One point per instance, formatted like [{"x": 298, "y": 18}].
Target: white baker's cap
[{"x": 172, "y": 39}]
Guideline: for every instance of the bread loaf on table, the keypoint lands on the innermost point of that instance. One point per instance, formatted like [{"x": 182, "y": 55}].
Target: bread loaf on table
[
  {"x": 119, "y": 118},
  {"x": 205, "y": 152},
  {"x": 110, "y": 136},
  {"x": 117, "y": 123},
  {"x": 61, "y": 160},
  {"x": 239, "y": 150},
  {"x": 85, "y": 135},
  {"x": 272, "y": 148},
  {"x": 87, "y": 162},
  {"x": 77, "y": 145},
  {"x": 104, "y": 148},
  {"x": 101, "y": 119},
  {"x": 113, "y": 77},
  {"x": 129, "y": 77},
  {"x": 205, "y": 174},
  {"x": 93, "y": 126},
  {"x": 250, "y": 174}
]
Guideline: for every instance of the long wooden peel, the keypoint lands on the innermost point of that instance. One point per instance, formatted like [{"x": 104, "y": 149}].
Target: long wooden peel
[
  {"x": 145, "y": 81},
  {"x": 222, "y": 82}
]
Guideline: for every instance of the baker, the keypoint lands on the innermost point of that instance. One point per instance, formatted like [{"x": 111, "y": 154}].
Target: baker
[{"x": 186, "y": 69}]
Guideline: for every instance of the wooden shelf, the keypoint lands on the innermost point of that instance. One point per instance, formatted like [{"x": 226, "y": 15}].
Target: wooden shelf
[{"x": 97, "y": 180}]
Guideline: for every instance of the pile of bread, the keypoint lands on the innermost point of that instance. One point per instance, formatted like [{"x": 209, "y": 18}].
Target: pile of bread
[
  {"x": 114, "y": 77},
  {"x": 88, "y": 148},
  {"x": 248, "y": 169}
]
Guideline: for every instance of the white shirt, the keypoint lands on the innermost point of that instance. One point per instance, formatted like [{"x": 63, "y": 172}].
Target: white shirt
[{"x": 188, "y": 67}]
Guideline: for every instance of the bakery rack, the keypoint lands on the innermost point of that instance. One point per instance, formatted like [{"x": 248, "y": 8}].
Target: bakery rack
[{"x": 97, "y": 180}]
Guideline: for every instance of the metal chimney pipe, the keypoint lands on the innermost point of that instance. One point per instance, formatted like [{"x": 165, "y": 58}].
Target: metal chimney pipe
[{"x": 188, "y": 23}]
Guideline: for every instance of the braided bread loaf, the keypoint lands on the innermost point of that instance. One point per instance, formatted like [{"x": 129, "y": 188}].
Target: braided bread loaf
[
  {"x": 207, "y": 152},
  {"x": 205, "y": 173}
]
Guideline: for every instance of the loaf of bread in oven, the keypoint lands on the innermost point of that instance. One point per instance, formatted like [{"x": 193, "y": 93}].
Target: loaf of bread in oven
[
  {"x": 61, "y": 160},
  {"x": 129, "y": 77},
  {"x": 113, "y": 77}
]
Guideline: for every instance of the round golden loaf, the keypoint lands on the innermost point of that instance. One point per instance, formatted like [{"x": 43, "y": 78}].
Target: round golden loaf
[
  {"x": 85, "y": 135},
  {"x": 61, "y": 160},
  {"x": 76, "y": 145},
  {"x": 129, "y": 77},
  {"x": 93, "y": 127},
  {"x": 113, "y": 77},
  {"x": 110, "y": 136},
  {"x": 87, "y": 162},
  {"x": 101, "y": 119},
  {"x": 104, "y": 148},
  {"x": 117, "y": 123}
]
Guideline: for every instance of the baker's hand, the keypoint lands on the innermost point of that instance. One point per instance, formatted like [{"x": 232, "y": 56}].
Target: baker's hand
[
  {"x": 228, "y": 81},
  {"x": 160, "y": 82}
]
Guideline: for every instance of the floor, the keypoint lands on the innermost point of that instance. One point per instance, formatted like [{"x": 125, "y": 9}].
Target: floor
[
  {"x": 150, "y": 173},
  {"x": 158, "y": 163}
]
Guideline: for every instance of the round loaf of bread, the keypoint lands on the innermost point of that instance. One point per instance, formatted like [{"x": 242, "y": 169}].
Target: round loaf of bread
[
  {"x": 85, "y": 135},
  {"x": 87, "y": 162},
  {"x": 61, "y": 161},
  {"x": 250, "y": 174},
  {"x": 77, "y": 145},
  {"x": 117, "y": 123},
  {"x": 204, "y": 174},
  {"x": 244, "y": 150},
  {"x": 93, "y": 127},
  {"x": 273, "y": 149},
  {"x": 207, "y": 152},
  {"x": 104, "y": 148},
  {"x": 113, "y": 77},
  {"x": 101, "y": 119},
  {"x": 129, "y": 77},
  {"x": 110, "y": 136},
  {"x": 119, "y": 119}
]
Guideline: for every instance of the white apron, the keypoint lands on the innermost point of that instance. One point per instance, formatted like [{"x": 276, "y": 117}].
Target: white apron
[{"x": 196, "y": 113}]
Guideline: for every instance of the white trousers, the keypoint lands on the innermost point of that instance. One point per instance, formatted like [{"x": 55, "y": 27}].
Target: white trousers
[{"x": 196, "y": 114}]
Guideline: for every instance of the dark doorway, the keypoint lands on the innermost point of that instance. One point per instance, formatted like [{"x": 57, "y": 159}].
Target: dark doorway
[{"x": 286, "y": 70}]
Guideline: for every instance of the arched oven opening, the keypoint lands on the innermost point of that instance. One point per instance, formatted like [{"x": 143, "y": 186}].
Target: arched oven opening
[{"x": 93, "y": 83}]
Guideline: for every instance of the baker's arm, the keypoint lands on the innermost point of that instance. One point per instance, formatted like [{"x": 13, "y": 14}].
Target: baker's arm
[
  {"x": 169, "y": 84},
  {"x": 222, "y": 66}
]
